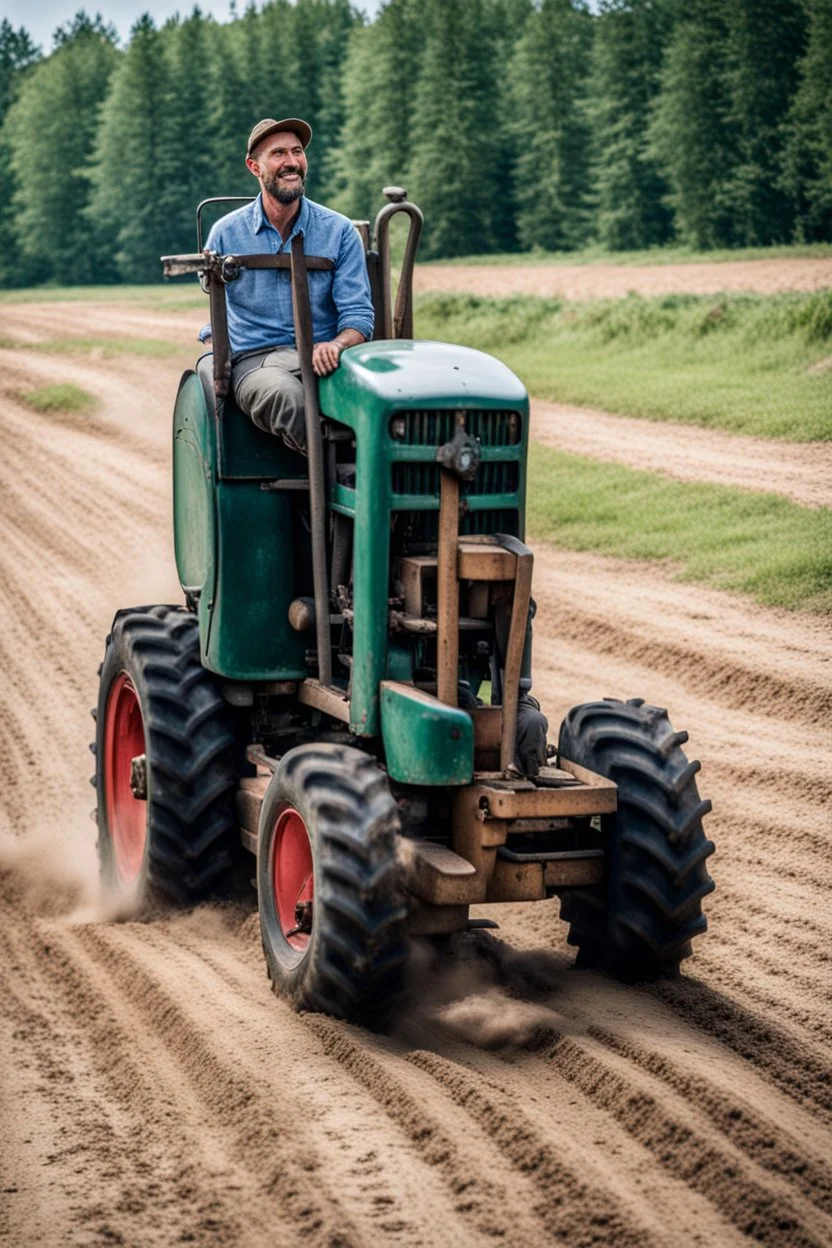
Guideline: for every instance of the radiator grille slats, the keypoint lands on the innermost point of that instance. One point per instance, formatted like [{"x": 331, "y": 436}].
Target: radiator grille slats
[
  {"x": 493, "y": 477},
  {"x": 432, "y": 428}
]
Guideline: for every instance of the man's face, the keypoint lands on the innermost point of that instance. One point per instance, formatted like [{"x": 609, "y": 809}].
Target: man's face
[{"x": 279, "y": 163}]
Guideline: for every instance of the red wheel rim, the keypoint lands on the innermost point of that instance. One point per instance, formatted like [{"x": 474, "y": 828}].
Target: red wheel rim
[
  {"x": 126, "y": 814},
  {"x": 293, "y": 875}
]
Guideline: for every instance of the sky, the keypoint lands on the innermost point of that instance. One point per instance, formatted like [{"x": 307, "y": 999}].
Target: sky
[{"x": 42, "y": 20}]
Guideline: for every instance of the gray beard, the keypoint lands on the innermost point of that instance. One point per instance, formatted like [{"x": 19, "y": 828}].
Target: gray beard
[{"x": 283, "y": 195}]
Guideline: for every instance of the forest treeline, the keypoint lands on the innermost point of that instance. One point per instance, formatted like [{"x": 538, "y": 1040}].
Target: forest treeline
[{"x": 515, "y": 124}]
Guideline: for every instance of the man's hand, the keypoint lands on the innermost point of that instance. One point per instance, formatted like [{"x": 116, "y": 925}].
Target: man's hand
[{"x": 325, "y": 355}]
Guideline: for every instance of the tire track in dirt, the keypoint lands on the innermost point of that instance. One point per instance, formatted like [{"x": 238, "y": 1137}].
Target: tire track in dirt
[
  {"x": 561, "y": 1191},
  {"x": 801, "y": 471}
]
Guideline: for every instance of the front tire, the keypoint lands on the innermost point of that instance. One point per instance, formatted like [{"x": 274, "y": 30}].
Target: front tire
[
  {"x": 165, "y": 824},
  {"x": 332, "y": 909},
  {"x": 640, "y": 923}
]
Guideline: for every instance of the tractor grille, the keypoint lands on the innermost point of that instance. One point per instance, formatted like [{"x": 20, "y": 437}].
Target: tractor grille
[
  {"x": 493, "y": 477},
  {"x": 431, "y": 428},
  {"x": 419, "y": 530}
]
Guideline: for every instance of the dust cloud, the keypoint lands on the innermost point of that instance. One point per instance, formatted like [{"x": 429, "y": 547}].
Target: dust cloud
[{"x": 475, "y": 989}]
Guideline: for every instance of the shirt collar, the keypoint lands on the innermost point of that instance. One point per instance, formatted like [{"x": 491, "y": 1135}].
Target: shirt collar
[{"x": 260, "y": 221}]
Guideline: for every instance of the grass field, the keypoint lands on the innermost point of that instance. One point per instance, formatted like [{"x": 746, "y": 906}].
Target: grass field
[
  {"x": 157, "y": 292},
  {"x": 759, "y": 544},
  {"x": 105, "y": 347},
  {"x": 754, "y": 364},
  {"x": 652, "y": 255},
  {"x": 64, "y": 397}
]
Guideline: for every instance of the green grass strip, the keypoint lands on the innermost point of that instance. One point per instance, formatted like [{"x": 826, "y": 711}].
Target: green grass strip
[
  {"x": 753, "y": 364},
  {"x": 61, "y": 398},
  {"x": 161, "y": 293},
  {"x": 648, "y": 256},
  {"x": 758, "y": 544},
  {"x": 156, "y": 348}
]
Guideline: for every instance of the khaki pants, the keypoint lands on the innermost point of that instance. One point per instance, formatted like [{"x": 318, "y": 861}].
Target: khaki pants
[{"x": 268, "y": 388}]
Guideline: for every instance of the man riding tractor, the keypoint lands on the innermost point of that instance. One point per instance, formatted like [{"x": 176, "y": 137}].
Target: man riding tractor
[{"x": 265, "y": 366}]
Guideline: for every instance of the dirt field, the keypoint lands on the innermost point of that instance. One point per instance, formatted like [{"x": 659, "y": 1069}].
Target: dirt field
[
  {"x": 610, "y": 281},
  {"x": 154, "y": 1092},
  {"x": 800, "y": 471}
]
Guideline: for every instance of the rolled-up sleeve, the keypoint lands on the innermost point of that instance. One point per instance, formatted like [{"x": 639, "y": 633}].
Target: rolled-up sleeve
[{"x": 351, "y": 285}]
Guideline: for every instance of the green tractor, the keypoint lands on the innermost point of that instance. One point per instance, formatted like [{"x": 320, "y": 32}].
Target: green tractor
[{"x": 344, "y": 692}]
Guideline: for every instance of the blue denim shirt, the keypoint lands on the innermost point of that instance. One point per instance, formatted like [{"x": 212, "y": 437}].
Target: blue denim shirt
[{"x": 260, "y": 301}]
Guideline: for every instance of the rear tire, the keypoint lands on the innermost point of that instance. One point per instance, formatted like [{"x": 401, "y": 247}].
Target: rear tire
[
  {"x": 332, "y": 909},
  {"x": 639, "y": 925},
  {"x": 156, "y": 699}
]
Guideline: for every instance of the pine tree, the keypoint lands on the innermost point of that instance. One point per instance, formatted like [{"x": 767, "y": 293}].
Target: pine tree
[
  {"x": 283, "y": 87},
  {"x": 807, "y": 157},
  {"x": 380, "y": 76},
  {"x": 459, "y": 153},
  {"x": 767, "y": 41},
  {"x": 17, "y": 54},
  {"x": 551, "y": 130},
  {"x": 135, "y": 169},
  {"x": 729, "y": 78},
  {"x": 233, "y": 114},
  {"x": 193, "y": 129},
  {"x": 51, "y": 129},
  {"x": 353, "y": 159},
  {"x": 338, "y": 22},
  {"x": 630, "y": 41}
]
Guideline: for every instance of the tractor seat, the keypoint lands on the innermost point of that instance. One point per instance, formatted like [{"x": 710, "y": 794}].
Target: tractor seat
[{"x": 246, "y": 452}]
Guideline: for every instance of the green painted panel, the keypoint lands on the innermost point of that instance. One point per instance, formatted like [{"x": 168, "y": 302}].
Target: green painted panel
[
  {"x": 194, "y": 474},
  {"x": 244, "y": 451},
  {"x": 373, "y": 381},
  {"x": 402, "y": 373},
  {"x": 425, "y": 741},
  {"x": 249, "y": 452},
  {"x": 250, "y": 636}
]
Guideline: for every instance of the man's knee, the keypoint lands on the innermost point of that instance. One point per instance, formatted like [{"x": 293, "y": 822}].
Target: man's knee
[{"x": 272, "y": 395}]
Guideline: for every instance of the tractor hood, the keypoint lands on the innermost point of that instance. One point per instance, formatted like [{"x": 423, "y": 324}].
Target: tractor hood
[{"x": 401, "y": 374}]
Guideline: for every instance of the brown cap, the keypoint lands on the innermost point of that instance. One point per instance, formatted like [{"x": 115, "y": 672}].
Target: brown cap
[{"x": 269, "y": 126}]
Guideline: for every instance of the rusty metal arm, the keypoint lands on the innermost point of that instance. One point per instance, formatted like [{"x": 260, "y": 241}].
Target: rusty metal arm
[
  {"x": 398, "y": 322},
  {"x": 215, "y": 272},
  {"x": 513, "y": 661},
  {"x": 315, "y": 451}
]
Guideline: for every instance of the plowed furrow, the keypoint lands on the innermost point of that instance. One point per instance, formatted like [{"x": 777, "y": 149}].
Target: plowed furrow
[
  {"x": 148, "y": 1187},
  {"x": 774, "y": 992},
  {"x": 271, "y": 1054},
  {"x": 205, "y": 1089},
  {"x": 763, "y": 1141},
  {"x": 560, "y": 1189},
  {"x": 700, "y": 1160},
  {"x": 790, "y": 1064},
  {"x": 488, "y": 1202},
  {"x": 732, "y": 685}
]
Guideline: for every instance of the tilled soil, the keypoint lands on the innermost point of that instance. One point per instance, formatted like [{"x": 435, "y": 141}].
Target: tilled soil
[
  {"x": 155, "y": 1092},
  {"x": 612, "y": 281}
]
